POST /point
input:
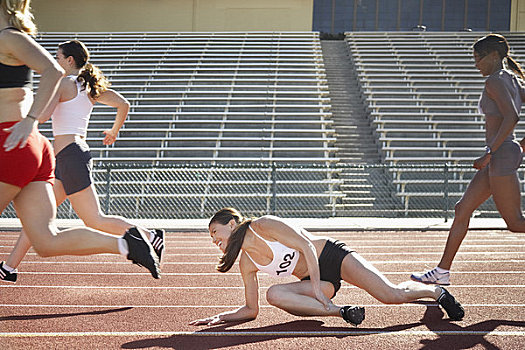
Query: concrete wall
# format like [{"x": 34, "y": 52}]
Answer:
[
  {"x": 172, "y": 15},
  {"x": 517, "y": 17}
]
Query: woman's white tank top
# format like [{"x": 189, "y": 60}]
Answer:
[
  {"x": 72, "y": 117},
  {"x": 284, "y": 258}
]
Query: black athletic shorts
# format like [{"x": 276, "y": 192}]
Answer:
[
  {"x": 330, "y": 262},
  {"x": 73, "y": 167}
]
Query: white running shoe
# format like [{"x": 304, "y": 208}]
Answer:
[{"x": 432, "y": 277}]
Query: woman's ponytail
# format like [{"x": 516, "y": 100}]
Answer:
[
  {"x": 90, "y": 76},
  {"x": 515, "y": 67},
  {"x": 93, "y": 80},
  {"x": 234, "y": 246}
]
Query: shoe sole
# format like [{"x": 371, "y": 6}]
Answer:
[
  {"x": 425, "y": 282},
  {"x": 8, "y": 281},
  {"x": 456, "y": 305},
  {"x": 357, "y": 312}
]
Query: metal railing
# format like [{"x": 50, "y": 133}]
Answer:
[{"x": 288, "y": 190}]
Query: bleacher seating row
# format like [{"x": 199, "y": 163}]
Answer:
[
  {"x": 211, "y": 97},
  {"x": 208, "y": 99}
]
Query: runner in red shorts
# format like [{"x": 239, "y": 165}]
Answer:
[
  {"x": 26, "y": 158},
  {"x": 83, "y": 86}
]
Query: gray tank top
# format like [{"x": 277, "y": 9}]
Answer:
[{"x": 488, "y": 106}]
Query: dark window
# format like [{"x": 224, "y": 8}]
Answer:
[{"x": 338, "y": 16}]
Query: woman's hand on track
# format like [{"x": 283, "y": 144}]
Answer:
[{"x": 209, "y": 321}]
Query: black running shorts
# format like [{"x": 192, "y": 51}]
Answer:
[
  {"x": 73, "y": 167},
  {"x": 330, "y": 262}
]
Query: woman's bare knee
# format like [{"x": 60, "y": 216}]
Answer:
[
  {"x": 273, "y": 295},
  {"x": 43, "y": 241},
  {"x": 44, "y": 249},
  {"x": 459, "y": 209},
  {"x": 516, "y": 224}
]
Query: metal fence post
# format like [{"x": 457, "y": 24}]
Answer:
[
  {"x": 445, "y": 192},
  {"x": 274, "y": 188},
  {"x": 108, "y": 189}
]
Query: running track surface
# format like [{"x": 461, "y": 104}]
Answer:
[{"x": 105, "y": 302}]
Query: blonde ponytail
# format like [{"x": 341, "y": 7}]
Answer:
[{"x": 19, "y": 15}]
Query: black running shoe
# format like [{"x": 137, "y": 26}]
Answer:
[
  {"x": 141, "y": 252},
  {"x": 158, "y": 243},
  {"x": 6, "y": 275},
  {"x": 453, "y": 308},
  {"x": 353, "y": 314}
]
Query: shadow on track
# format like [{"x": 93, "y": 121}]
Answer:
[
  {"x": 223, "y": 336},
  {"x": 57, "y": 315}
]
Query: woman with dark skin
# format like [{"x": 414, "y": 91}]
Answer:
[
  {"x": 271, "y": 245},
  {"x": 497, "y": 175}
]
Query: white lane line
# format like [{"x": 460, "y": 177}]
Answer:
[
  {"x": 80, "y": 306},
  {"x": 218, "y": 287},
  {"x": 354, "y": 246},
  {"x": 233, "y": 273},
  {"x": 264, "y": 333},
  {"x": 440, "y": 252},
  {"x": 348, "y": 238},
  {"x": 93, "y": 262}
]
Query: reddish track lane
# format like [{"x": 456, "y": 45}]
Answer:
[{"x": 105, "y": 302}]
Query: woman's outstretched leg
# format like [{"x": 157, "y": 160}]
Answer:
[
  {"x": 37, "y": 217},
  {"x": 507, "y": 197},
  {"x": 359, "y": 272},
  {"x": 7, "y": 193},
  {"x": 478, "y": 191}
]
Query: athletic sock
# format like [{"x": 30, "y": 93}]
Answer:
[
  {"x": 8, "y": 268},
  {"x": 441, "y": 294},
  {"x": 440, "y": 270},
  {"x": 151, "y": 235},
  {"x": 123, "y": 246}
]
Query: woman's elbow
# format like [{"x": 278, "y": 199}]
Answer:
[
  {"x": 124, "y": 106},
  {"x": 58, "y": 72}
]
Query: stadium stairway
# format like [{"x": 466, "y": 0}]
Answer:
[
  {"x": 365, "y": 189},
  {"x": 355, "y": 138}
]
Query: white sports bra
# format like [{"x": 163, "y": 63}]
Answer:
[
  {"x": 284, "y": 259},
  {"x": 72, "y": 117}
]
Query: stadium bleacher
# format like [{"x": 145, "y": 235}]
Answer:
[
  {"x": 211, "y": 99},
  {"x": 208, "y": 97}
]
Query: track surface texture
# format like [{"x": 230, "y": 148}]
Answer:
[{"x": 105, "y": 302}]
